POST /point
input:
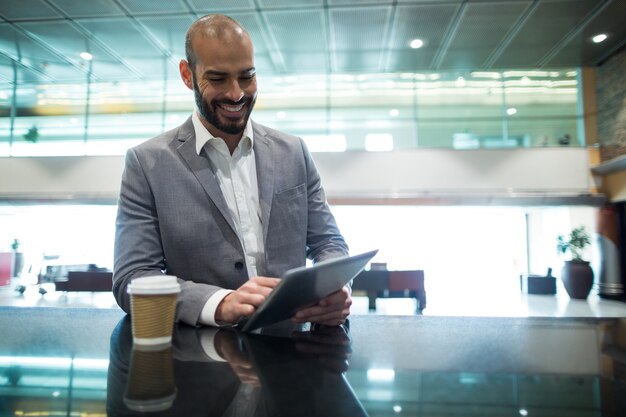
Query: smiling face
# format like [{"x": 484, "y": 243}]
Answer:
[{"x": 223, "y": 80}]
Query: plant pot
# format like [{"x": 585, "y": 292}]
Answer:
[{"x": 577, "y": 277}]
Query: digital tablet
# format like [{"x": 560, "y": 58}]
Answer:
[{"x": 305, "y": 286}]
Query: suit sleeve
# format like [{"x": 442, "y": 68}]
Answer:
[
  {"x": 324, "y": 240},
  {"x": 138, "y": 250}
]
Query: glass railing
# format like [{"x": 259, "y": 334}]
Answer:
[{"x": 336, "y": 112}]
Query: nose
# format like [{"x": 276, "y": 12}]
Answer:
[{"x": 234, "y": 92}]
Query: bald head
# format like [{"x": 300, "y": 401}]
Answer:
[{"x": 217, "y": 26}]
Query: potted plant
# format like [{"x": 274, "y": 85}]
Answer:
[{"x": 577, "y": 275}]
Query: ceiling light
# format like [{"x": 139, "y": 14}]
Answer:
[
  {"x": 525, "y": 80},
  {"x": 511, "y": 111},
  {"x": 281, "y": 114},
  {"x": 397, "y": 408},
  {"x": 86, "y": 56},
  {"x": 394, "y": 112},
  {"x": 599, "y": 38},
  {"x": 460, "y": 82},
  {"x": 416, "y": 43}
]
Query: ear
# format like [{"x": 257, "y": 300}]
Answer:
[{"x": 185, "y": 73}]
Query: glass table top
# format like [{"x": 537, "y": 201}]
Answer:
[{"x": 83, "y": 362}]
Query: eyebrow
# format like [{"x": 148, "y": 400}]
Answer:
[{"x": 222, "y": 73}]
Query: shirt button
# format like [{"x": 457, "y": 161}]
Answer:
[{"x": 238, "y": 265}]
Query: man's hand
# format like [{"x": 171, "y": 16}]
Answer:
[
  {"x": 228, "y": 348},
  {"x": 330, "y": 311},
  {"x": 245, "y": 300},
  {"x": 331, "y": 346}
]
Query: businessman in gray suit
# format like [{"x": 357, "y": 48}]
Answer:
[{"x": 221, "y": 202}]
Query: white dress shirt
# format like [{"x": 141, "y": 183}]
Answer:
[{"x": 236, "y": 175}]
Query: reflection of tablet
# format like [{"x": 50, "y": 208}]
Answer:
[
  {"x": 296, "y": 383},
  {"x": 305, "y": 286}
]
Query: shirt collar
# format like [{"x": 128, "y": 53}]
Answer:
[{"x": 203, "y": 135}]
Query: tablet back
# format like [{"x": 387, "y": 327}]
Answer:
[{"x": 305, "y": 286}]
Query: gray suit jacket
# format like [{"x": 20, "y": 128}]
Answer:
[{"x": 173, "y": 218}]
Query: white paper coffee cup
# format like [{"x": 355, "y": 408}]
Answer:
[{"x": 153, "y": 307}]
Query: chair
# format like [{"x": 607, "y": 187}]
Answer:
[
  {"x": 391, "y": 284},
  {"x": 408, "y": 284},
  {"x": 89, "y": 281}
]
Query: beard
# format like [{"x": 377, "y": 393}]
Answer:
[{"x": 210, "y": 113}]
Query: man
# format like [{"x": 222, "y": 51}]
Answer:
[{"x": 221, "y": 202}]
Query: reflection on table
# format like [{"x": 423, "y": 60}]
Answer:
[
  {"x": 209, "y": 372},
  {"x": 82, "y": 361}
]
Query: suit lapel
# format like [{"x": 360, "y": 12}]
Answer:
[
  {"x": 264, "y": 158},
  {"x": 201, "y": 168}
]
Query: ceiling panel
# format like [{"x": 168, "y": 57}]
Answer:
[
  {"x": 435, "y": 1},
  {"x": 35, "y": 57},
  {"x": 298, "y": 31},
  {"x": 89, "y": 8},
  {"x": 251, "y": 22},
  {"x": 472, "y": 44},
  {"x": 428, "y": 23},
  {"x": 300, "y": 39},
  {"x": 60, "y": 71},
  {"x": 357, "y": 3},
  {"x": 121, "y": 36},
  {"x": 26, "y": 9},
  {"x": 307, "y": 62},
  {"x": 263, "y": 64},
  {"x": 582, "y": 49},
  {"x": 6, "y": 71},
  {"x": 111, "y": 70},
  {"x": 549, "y": 23},
  {"x": 125, "y": 42},
  {"x": 8, "y": 39},
  {"x": 290, "y": 3},
  {"x": 27, "y": 77},
  {"x": 303, "y": 36},
  {"x": 58, "y": 36},
  {"x": 169, "y": 31},
  {"x": 210, "y": 6},
  {"x": 357, "y": 61},
  {"x": 410, "y": 61},
  {"x": 69, "y": 42},
  {"x": 152, "y": 6},
  {"x": 359, "y": 29}
]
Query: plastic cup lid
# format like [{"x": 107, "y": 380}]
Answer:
[{"x": 158, "y": 284}]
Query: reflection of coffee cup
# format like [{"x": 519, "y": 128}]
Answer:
[
  {"x": 151, "y": 379},
  {"x": 153, "y": 306}
]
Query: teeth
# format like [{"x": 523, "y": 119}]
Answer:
[{"x": 231, "y": 108}]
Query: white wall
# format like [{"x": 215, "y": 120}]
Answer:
[
  {"x": 347, "y": 174},
  {"x": 550, "y": 170}
]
